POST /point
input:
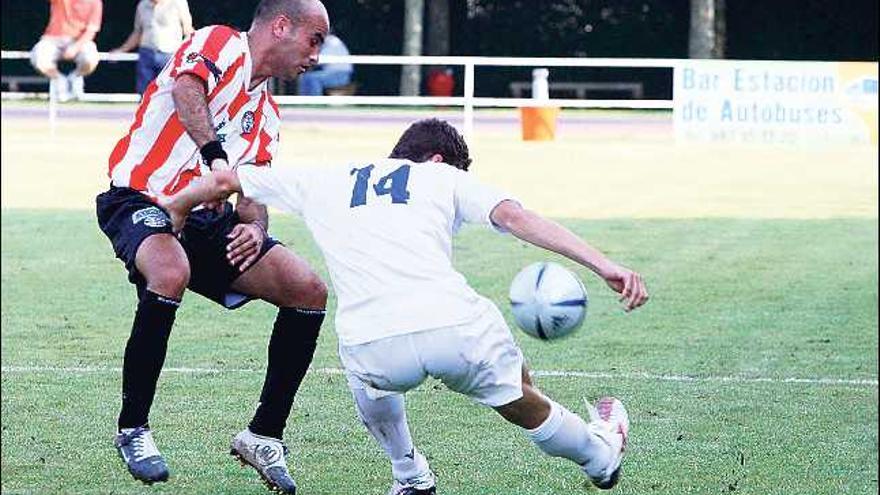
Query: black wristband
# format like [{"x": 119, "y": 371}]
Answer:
[{"x": 212, "y": 151}]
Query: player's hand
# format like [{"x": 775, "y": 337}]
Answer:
[
  {"x": 629, "y": 285},
  {"x": 246, "y": 240},
  {"x": 70, "y": 52}
]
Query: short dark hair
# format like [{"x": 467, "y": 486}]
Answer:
[
  {"x": 428, "y": 137},
  {"x": 268, "y": 9}
]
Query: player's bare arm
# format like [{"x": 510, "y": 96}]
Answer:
[
  {"x": 130, "y": 43},
  {"x": 535, "y": 229},
  {"x": 216, "y": 186},
  {"x": 191, "y": 102}
]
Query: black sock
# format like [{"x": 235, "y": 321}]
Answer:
[
  {"x": 293, "y": 342},
  {"x": 144, "y": 356}
]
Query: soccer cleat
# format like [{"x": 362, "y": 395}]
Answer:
[
  {"x": 138, "y": 450},
  {"x": 610, "y": 422},
  {"x": 268, "y": 456},
  {"x": 425, "y": 484},
  {"x": 77, "y": 85}
]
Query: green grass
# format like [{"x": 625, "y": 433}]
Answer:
[{"x": 730, "y": 298}]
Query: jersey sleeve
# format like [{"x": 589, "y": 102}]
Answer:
[
  {"x": 474, "y": 201},
  {"x": 208, "y": 54},
  {"x": 282, "y": 188}
]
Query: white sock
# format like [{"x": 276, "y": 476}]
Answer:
[
  {"x": 385, "y": 418},
  {"x": 565, "y": 434}
]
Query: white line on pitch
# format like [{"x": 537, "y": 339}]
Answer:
[{"x": 859, "y": 382}]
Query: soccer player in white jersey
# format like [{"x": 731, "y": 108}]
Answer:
[
  {"x": 385, "y": 228},
  {"x": 210, "y": 108}
]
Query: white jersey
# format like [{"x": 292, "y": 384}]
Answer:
[{"x": 385, "y": 229}]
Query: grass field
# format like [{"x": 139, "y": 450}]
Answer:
[{"x": 752, "y": 370}]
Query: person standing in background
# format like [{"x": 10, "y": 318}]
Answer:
[
  {"x": 327, "y": 76},
  {"x": 70, "y": 35},
  {"x": 159, "y": 28}
]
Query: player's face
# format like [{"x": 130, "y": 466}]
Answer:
[{"x": 300, "y": 48}]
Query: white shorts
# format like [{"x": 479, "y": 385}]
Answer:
[
  {"x": 479, "y": 359},
  {"x": 49, "y": 50}
]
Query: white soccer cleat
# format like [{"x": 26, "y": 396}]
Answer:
[
  {"x": 610, "y": 422},
  {"x": 425, "y": 484},
  {"x": 268, "y": 456}
]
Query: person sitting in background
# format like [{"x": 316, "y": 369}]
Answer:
[
  {"x": 69, "y": 36},
  {"x": 327, "y": 76},
  {"x": 159, "y": 27}
]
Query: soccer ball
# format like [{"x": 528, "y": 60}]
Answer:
[{"x": 548, "y": 301}]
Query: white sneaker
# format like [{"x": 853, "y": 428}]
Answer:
[
  {"x": 59, "y": 89},
  {"x": 425, "y": 484},
  {"x": 268, "y": 456},
  {"x": 610, "y": 422},
  {"x": 77, "y": 85}
]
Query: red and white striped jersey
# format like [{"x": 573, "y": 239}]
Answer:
[{"x": 158, "y": 157}]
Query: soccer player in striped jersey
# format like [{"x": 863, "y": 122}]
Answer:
[
  {"x": 210, "y": 109},
  {"x": 404, "y": 313}
]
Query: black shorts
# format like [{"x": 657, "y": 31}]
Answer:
[{"x": 127, "y": 217}]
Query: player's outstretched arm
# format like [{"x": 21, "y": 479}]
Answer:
[
  {"x": 535, "y": 229},
  {"x": 216, "y": 186}
]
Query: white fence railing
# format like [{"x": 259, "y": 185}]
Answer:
[{"x": 467, "y": 101}]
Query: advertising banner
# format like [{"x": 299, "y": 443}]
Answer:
[{"x": 775, "y": 101}]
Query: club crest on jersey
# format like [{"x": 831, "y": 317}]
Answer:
[
  {"x": 247, "y": 122},
  {"x": 152, "y": 217}
]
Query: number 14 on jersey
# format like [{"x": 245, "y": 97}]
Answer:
[{"x": 394, "y": 184}]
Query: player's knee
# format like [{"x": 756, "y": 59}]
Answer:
[
  {"x": 309, "y": 292},
  {"x": 87, "y": 66},
  {"x": 318, "y": 290},
  {"x": 44, "y": 63},
  {"x": 170, "y": 279},
  {"x": 87, "y": 60}
]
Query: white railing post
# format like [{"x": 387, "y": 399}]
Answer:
[
  {"x": 53, "y": 104},
  {"x": 469, "y": 99}
]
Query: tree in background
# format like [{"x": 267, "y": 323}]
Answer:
[
  {"x": 411, "y": 75},
  {"x": 708, "y": 29},
  {"x": 438, "y": 27}
]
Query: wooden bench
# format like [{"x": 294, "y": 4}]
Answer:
[
  {"x": 580, "y": 89},
  {"x": 14, "y": 83}
]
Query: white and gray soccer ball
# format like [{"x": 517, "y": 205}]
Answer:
[{"x": 548, "y": 300}]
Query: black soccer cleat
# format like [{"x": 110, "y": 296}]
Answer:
[
  {"x": 268, "y": 456},
  {"x": 139, "y": 452}
]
